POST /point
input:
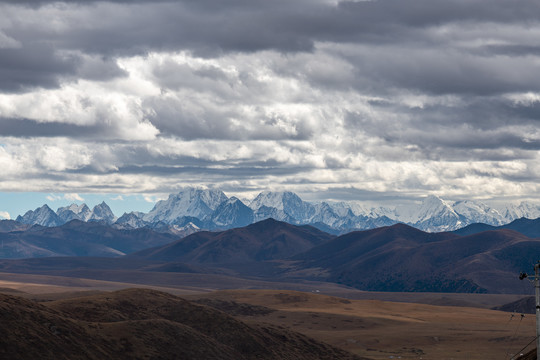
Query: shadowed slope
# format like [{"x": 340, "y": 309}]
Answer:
[
  {"x": 527, "y": 227},
  {"x": 401, "y": 258},
  {"x": 266, "y": 240},
  {"x": 143, "y": 324},
  {"x": 78, "y": 238}
]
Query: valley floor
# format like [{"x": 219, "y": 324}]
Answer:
[
  {"x": 384, "y": 330},
  {"x": 371, "y": 328}
]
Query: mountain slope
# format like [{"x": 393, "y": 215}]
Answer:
[
  {"x": 12, "y": 225},
  {"x": 188, "y": 202},
  {"x": 287, "y": 204},
  {"x": 266, "y": 240},
  {"x": 213, "y": 210},
  {"x": 43, "y": 216},
  {"x": 74, "y": 212},
  {"x": 231, "y": 213},
  {"x": 78, "y": 238},
  {"x": 143, "y": 324},
  {"x": 527, "y": 227},
  {"x": 401, "y": 258}
]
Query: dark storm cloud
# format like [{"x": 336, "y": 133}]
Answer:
[
  {"x": 510, "y": 50},
  {"x": 232, "y": 172},
  {"x": 31, "y": 128},
  {"x": 33, "y": 65},
  {"x": 478, "y": 129},
  {"x": 346, "y": 193},
  {"x": 255, "y": 91},
  {"x": 40, "y": 65},
  {"x": 210, "y": 28},
  {"x": 141, "y": 26},
  {"x": 103, "y": 131}
]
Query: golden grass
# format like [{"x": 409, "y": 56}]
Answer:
[{"x": 382, "y": 330}]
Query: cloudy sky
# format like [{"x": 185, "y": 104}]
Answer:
[{"x": 381, "y": 101}]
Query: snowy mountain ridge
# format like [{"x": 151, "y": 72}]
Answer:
[{"x": 193, "y": 209}]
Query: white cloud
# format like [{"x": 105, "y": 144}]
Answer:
[
  {"x": 53, "y": 197},
  {"x": 446, "y": 106},
  {"x": 5, "y": 215},
  {"x": 73, "y": 197}
]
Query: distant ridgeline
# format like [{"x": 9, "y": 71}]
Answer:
[
  {"x": 194, "y": 209},
  {"x": 391, "y": 258}
]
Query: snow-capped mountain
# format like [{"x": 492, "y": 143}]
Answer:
[
  {"x": 288, "y": 205},
  {"x": 434, "y": 214},
  {"x": 132, "y": 220},
  {"x": 524, "y": 209},
  {"x": 478, "y": 212},
  {"x": 189, "y": 202},
  {"x": 74, "y": 212},
  {"x": 101, "y": 212},
  {"x": 43, "y": 216},
  {"x": 232, "y": 213},
  {"x": 194, "y": 209}
]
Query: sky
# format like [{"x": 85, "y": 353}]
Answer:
[{"x": 383, "y": 101}]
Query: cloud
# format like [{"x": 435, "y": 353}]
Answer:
[
  {"x": 73, "y": 197},
  {"x": 372, "y": 97},
  {"x": 117, "y": 198}
]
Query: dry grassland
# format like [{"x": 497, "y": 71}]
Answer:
[
  {"x": 370, "y": 328},
  {"x": 385, "y": 330}
]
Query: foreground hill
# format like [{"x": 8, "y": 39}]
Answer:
[
  {"x": 142, "y": 324},
  {"x": 401, "y": 258},
  {"x": 266, "y": 240}
]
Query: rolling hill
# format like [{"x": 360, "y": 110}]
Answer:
[
  {"x": 143, "y": 324},
  {"x": 527, "y": 227},
  {"x": 266, "y": 240},
  {"x": 78, "y": 238},
  {"x": 401, "y": 258},
  {"x": 394, "y": 258}
]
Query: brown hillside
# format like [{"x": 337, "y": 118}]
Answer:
[
  {"x": 143, "y": 324},
  {"x": 386, "y": 330},
  {"x": 266, "y": 240}
]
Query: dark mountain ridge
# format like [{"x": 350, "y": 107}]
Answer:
[
  {"x": 393, "y": 258},
  {"x": 401, "y": 258},
  {"x": 266, "y": 240},
  {"x": 527, "y": 227},
  {"x": 78, "y": 238}
]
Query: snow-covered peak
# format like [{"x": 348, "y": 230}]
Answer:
[
  {"x": 133, "y": 219},
  {"x": 102, "y": 212},
  {"x": 192, "y": 202},
  {"x": 523, "y": 210},
  {"x": 478, "y": 212},
  {"x": 342, "y": 208},
  {"x": 43, "y": 216},
  {"x": 74, "y": 212},
  {"x": 273, "y": 199},
  {"x": 432, "y": 206},
  {"x": 287, "y": 203},
  {"x": 77, "y": 209},
  {"x": 232, "y": 213}
]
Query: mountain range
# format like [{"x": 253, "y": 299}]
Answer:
[
  {"x": 193, "y": 210},
  {"x": 391, "y": 258}
]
